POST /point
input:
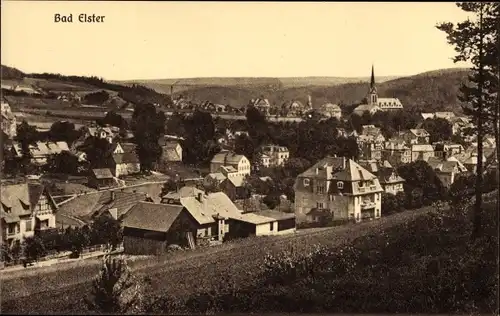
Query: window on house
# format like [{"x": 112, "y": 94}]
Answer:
[
  {"x": 306, "y": 182},
  {"x": 340, "y": 185},
  {"x": 272, "y": 225},
  {"x": 29, "y": 224},
  {"x": 320, "y": 205},
  {"x": 320, "y": 189}
]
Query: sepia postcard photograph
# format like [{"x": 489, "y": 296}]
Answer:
[{"x": 258, "y": 157}]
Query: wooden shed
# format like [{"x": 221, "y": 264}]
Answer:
[{"x": 149, "y": 228}]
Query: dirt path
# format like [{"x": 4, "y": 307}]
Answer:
[{"x": 238, "y": 263}]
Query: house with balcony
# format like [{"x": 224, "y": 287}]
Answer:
[
  {"x": 387, "y": 175},
  {"x": 228, "y": 158},
  {"x": 27, "y": 209},
  {"x": 337, "y": 189},
  {"x": 278, "y": 155}
]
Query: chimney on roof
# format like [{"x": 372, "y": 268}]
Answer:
[
  {"x": 317, "y": 170},
  {"x": 200, "y": 197}
]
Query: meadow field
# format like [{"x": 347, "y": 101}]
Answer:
[{"x": 181, "y": 274}]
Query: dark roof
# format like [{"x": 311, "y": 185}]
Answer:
[
  {"x": 123, "y": 201},
  {"x": 21, "y": 198},
  {"x": 85, "y": 206},
  {"x": 103, "y": 173},
  {"x": 151, "y": 216}
]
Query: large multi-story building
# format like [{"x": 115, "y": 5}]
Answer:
[{"x": 337, "y": 188}]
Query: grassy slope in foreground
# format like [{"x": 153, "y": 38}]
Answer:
[{"x": 180, "y": 274}]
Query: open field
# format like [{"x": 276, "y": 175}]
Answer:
[{"x": 59, "y": 290}]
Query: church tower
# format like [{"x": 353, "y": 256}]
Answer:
[{"x": 372, "y": 94}]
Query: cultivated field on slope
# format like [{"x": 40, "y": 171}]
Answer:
[{"x": 238, "y": 263}]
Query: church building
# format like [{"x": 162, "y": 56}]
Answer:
[{"x": 374, "y": 103}]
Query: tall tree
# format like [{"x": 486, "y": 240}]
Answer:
[
  {"x": 148, "y": 126},
  {"x": 477, "y": 41},
  {"x": 26, "y": 135},
  {"x": 439, "y": 129},
  {"x": 200, "y": 142},
  {"x": 257, "y": 125}
]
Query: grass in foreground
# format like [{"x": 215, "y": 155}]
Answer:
[
  {"x": 235, "y": 264},
  {"x": 428, "y": 265}
]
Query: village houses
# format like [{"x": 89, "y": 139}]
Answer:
[
  {"x": 40, "y": 151},
  {"x": 171, "y": 150},
  {"x": 85, "y": 208},
  {"x": 446, "y": 170},
  {"x": 337, "y": 188},
  {"x": 123, "y": 160},
  {"x": 396, "y": 152},
  {"x": 27, "y": 209},
  {"x": 261, "y": 104},
  {"x": 229, "y": 158},
  {"x": 416, "y": 136},
  {"x": 330, "y": 110},
  {"x": 293, "y": 108},
  {"x": 277, "y": 155},
  {"x": 192, "y": 218},
  {"x": 388, "y": 176},
  {"x": 99, "y": 132},
  {"x": 101, "y": 178},
  {"x": 421, "y": 152}
]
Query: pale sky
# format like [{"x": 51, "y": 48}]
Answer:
[{"x": 157, "y": 40}]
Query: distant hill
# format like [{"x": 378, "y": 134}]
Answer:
[
  {"x": 430, "y": 91},
  {"x": 55, "y": 84},
  {"x": 179, "y": 85},
  {"x": 11, "y": 73}
]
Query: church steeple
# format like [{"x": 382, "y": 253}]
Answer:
[
  {"x": 372, "y": 82},
  {"x": 372, "y": 94}
]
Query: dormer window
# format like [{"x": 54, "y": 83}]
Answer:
[
  {"x": 340, "y": 185},
  {"x": 306, "y": 182}
]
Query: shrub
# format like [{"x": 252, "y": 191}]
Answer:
[
  {"x": 34, "y": 248},
  {"x": 114, "y": 290}
]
